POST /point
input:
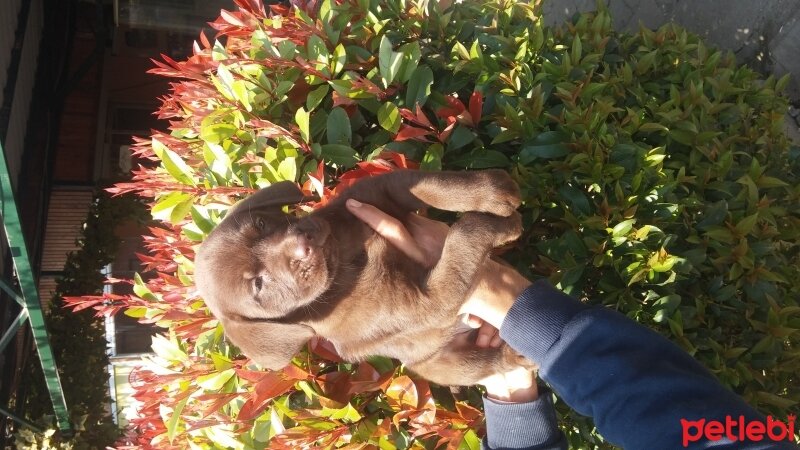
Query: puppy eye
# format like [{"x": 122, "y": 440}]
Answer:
[{"x": 258, "y": 283}]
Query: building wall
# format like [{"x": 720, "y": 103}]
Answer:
[{"x": 23, "y": 82}]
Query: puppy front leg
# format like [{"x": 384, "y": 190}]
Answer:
[{"x": 462, "y": 363}]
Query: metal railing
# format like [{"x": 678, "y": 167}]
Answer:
[{"x": 28, "y": 298}]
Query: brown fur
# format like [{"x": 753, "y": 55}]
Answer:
[{"x": 274, "y": 280}]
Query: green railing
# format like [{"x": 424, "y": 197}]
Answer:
[{"x": 28, "y": 298}]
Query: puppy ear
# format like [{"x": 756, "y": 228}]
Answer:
[
  {"x": 271, "y": 344},
  {"x": 276, "y": 195}
]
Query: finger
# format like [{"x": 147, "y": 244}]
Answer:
[
  {"x": 485, "y": 335},
  {"x": 497, "y": 341},
  {"x": 387, "y": 226},
  {"x": 473, "y": 321},
  {"x": 428, "y": 226},
  {"x": 429, "y": 235}
]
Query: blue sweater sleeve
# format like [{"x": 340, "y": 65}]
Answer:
[
  {"x": 634, "y": 383},
  {"x": 531, "y": 425}
]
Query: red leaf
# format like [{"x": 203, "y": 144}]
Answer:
[
  {"x": 454, "y": 108},
  {"x": 475, "y": 107},
  {"x": 467, "y": 411},
  {"x": 408, "y": 132},
  {"x": 81, "y": 303},
  {"x": 402, "y": 393},
  {"x": 336, "y": 387},
  {"x": 418, "y": 118},
  {"x": 451, "y": 123},
  {"x": 325, "y": 349},
  {"x": 204, "y": 40},
  {"x": 253, "y": 6},
  {"x": 269, "y": 387},
  {"x": 222, "y": 400}
]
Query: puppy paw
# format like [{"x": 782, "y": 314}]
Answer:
[
  {"x": 510, "y": 230},
  {"x": 499, "y": 194},
  {"x": 510, "y": 359}
]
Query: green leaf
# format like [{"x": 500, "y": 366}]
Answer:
[
  {"x": 164, "y": 207},
  {"x": 302, "y": 118},
  {"x": 225, "y": 77},
  {"x": 168, "y": 348},
  {"x": 781, "y": 84},
  {"x": 460, "y": 137},
  {"x": 389, "y": 61},
  {"x": 180, "y": 211},
  {"x": 193, "y": 232},
  {"x": 481, "y": 159},
  {"x": 172, "y": 423},
  {"x": 666, "y": 307},
  {"x": 389, "y": 117},
  {"x": 410, "y": 59},
  {"x": 218, "y": 161},
  {"x": 651, "y": 126},
  {"x": 432, "y": 161},
  {"x": 772, "y": 399},
  {"x": 623, "y": 228},
  {"x": 338, "y": 127},
  {"x": 770, "y": 182},
  {"x": 216, "y": 133},
  {"x": 215, "y": 380},
  {"x": 684, "y": 137},
  {"x": 341, "y": 155},
  {"x": 577, "y": 49},
  {"x": 242, "y": 94},
  {"x": 141, "y": 290},
  {"x": 530, "y": 153},
  {"x": 339, "y": 58},
  {"x": 173, "y": 163},
  {"x": 576, "y": 199},
  {"x": 316, "y": 96},
  {"x": 419, "y": 87},
  {"x": 348, "y": 414},
  {"x": 746, "y": 225},
  {"x": 136, "y": 312},
  {"x": 287, "y": 169},
  {"x": 316, "y": 49}
]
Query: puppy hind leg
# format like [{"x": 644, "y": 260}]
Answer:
[
  {"x": 465, "y": 251},
  {"x": 489, "y": 191},
  {"x": 403, "y": 191}
]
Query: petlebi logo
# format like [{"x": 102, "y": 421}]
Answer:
[{"x": 739, "y": 429}]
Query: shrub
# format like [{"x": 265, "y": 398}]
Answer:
[{"x": 656, "y": 180}]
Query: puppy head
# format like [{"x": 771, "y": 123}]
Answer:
[{"x": 259, "y": 266}]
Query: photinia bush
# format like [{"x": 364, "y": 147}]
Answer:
[{"x": 655, "y": 174}]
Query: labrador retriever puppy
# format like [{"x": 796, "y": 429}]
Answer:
[{"x": 275, "y": 280}]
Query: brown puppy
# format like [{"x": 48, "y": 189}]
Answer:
[{"x": 275, "y": 280}]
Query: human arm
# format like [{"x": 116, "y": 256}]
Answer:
[{"x": 634, "y": 383}]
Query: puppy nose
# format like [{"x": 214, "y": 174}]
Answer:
[{"x": 302, "y": 247}]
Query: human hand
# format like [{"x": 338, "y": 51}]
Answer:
[
  {"x": 516, "y": 386},
  {"x": 421, "y": 239}
]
